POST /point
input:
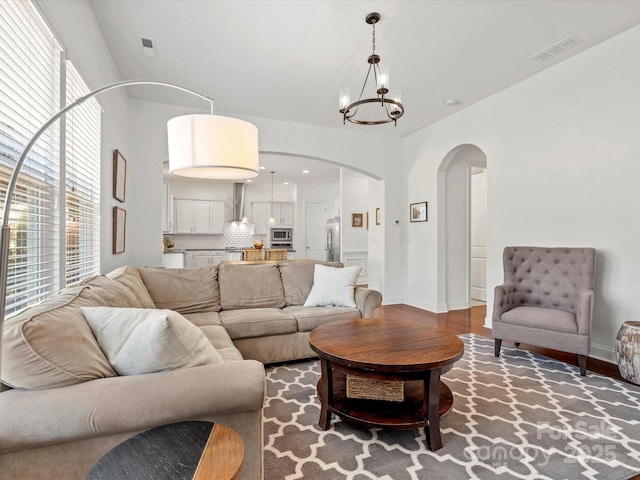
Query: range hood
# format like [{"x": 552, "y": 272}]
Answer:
[{"x": 237, "y": 214}]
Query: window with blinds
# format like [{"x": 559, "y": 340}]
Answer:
[
  {"x": 82, "y": 155},
  {"x": 31, "y": 81}
]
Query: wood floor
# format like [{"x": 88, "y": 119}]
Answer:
[{"x": 472, "y": 320}]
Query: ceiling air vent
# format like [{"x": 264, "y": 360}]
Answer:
[
  {"x": 556, "y": 49},
  {"x": 147, "y": 47}
]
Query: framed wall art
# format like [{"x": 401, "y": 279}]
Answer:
[
  {"x": 119, "y": 175},
  {"x": 356, "y": 220},
  {"x": 119, "y": 229},
  {"x": 418, "y": 212}
]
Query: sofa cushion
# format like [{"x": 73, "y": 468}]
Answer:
[
  {"x": 130, "y": 278},
  {"x": 297, "y": 279},
  {"x": 250, "y": 286},
  {"x": 333, "y": 287},
  {"x": 183, "y": 290},
  {"x": 142, "y": 340},
  {"x": 103, "y": 291},
  {"x": 220, "y": 339},
  {"x": 311, "y": 317},
  {"x": 542, "y": 318},
  {"x": 202, "y": 319},
  {"x": 51, "y": 345},
  {"x": 257, "y": 322}
]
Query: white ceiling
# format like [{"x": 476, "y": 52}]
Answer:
[{"x": 287, "y": 59}]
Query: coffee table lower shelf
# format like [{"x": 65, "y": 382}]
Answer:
[{"x": 407, "y": 414}]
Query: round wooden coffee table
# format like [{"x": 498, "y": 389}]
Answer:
[
  {"x": 179, "y": 451},
  {"x": 398, "y": 361}
]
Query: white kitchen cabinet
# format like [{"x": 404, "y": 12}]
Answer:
[
  {"x": 201, "y": 217},
  {"x": 167, "y": 203},
  {"x": 234, "y": 255},
  {"x": 203, "y": 258},
  {"x": 198, "y": 216},
  {"x": 283, "y": 213},
  {"x": 173, "y": 260},
  {"x": 260, "y": 218},
  {"x": 291, "y": 255},
  {"x": 189, "y": 260}
]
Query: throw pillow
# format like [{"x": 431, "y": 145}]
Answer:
[
  {"x": 140, "y": 340},
  {"x": 333, "y": 287}
]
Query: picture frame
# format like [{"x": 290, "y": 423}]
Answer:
[
  {"x": 119, "y": 229},
  {"x": 356, "y": 220},
  {"x": 418, "y": 212},
  {"x": 378, "y": 216},
  {"x": 119, "y": 176}
]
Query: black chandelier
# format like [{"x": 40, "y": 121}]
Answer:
[{"x": 392, "y": 105}]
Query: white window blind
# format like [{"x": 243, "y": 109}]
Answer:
[
  {"x": 29, "y": 96},
  {"x": 48, "y": 248},
  {"x": 82, "y": 183}
]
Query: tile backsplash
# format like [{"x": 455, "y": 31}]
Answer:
[{"x": 236, "y": 235}]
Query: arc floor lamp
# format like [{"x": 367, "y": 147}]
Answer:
[{"x": 200, "y": 145}]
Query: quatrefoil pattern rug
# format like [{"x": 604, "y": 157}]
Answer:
[{"x": 520, "y": 416}]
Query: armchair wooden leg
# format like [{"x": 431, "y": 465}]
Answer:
[
  {"x": 498, "y": 344},
  {"x": 517, "y": 344},
  {"x": 582, "y": 362}
]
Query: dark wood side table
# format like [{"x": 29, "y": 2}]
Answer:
[
  {"x": 186, "y": 450},
  {"x": 387, "y": 350}
]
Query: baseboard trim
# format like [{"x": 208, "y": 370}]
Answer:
[{"x": 601, "y": 352}]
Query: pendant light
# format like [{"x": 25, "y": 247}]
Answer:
[
  {"x": 272, "y": 220},
  {"x": 392, "y": 103}
]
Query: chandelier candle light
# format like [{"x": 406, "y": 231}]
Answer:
[{"x": 392, "y": 105}]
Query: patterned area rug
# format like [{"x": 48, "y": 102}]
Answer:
[{"x": 520, "y": 416}]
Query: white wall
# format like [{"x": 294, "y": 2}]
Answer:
[
  {"x": 562, "y": 155},
  {"x": 355, "y": 199}
]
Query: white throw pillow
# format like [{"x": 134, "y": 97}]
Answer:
[
  {"x": 333, "y": 287},
  {"x": 141, "y": 340}
]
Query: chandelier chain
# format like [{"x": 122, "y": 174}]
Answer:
[{"x": 374, "y": 38}]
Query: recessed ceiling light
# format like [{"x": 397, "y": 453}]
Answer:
[
  {"x": 249, "y": 180},
  {"x": 262, "y": 168},
  {"x": 286, "y": 183},
  {"x": 305, "y": 171},
  {"x": 450, "y": 102}
]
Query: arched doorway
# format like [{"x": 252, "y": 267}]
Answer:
[{"x": 454, "y": 224}]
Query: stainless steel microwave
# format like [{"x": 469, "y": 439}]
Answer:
[{"x": 281, "y": 235}]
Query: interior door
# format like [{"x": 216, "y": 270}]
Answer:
[
  {"x": 478, "y": 277},
  {"x": 315, "y": 215}
]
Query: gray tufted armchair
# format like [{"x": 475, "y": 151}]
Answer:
[{"x": 546, "y": 299}]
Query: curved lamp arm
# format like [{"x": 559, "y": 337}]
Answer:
[{"x": 6, "y": 230}]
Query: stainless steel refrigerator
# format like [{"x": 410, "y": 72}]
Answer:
[{"x": 333, "y": 239}]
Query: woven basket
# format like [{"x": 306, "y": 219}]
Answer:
[
  {"x": 250, "y": 254},
  {"x": 276, "y": 254},
  {"x": 373, "y": 389}
]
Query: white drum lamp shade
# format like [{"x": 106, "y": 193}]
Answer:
[{"x": 212, "y": 146}]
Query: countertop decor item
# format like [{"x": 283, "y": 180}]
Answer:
[
  {"x": 167, "y": 243},
  {"x": 393, "y": 107}
]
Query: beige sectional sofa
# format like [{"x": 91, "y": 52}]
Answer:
[{"x": 66, "y": 405}]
